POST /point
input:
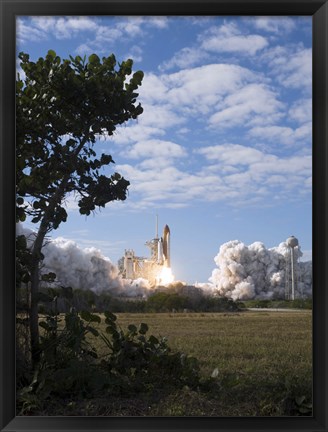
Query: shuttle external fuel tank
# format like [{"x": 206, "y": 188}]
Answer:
[
  {"x": 166, "y": 246},
  {"x": 128, "y": 264}
]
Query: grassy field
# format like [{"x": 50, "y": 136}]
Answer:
[{"x": 263, "y": 361}]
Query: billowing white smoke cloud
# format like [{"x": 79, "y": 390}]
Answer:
[
  {"x": 244, "y": 272},
  {"x": 84, "y": 268},
  {"x": 80, "y": 268},
  {"x": 254, "y": 272}
]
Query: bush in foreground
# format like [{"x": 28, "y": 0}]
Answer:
[{"x": 133, "y": 362}]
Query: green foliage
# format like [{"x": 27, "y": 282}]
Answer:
[
  {"x": 218, "y": 304},
  {"x": 157, "y": 302},
  {"x": 248, "y": 379},
  {"x": 60, "y": 345},
  {"x": 302, "y": 303},
  {"x": 142, "y": 362},
  {"x": 279, "y": 304},
  {"x": 23, "y": 261},
  {"x": 165, "y": 302},
  {"x": 67, "y": 362},
  {"x": 132, "y": 361},
  {"x": 63, "y": 106}
]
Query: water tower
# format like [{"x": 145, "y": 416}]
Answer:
[{"x": 292, "y": 271}]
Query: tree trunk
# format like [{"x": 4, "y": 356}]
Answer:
[
  {"x": 45, "y": 227},
  {"x": 35, "y": 282}
]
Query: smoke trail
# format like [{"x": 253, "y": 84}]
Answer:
[{"x": 254, "y": 272}]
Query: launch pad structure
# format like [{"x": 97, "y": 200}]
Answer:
[{"x": 135, "y": 267}]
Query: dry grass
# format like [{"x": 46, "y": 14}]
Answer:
[
  {"x": 264, "y": 360},
  {"x": 248, "y": 342},
  {"x": 264, "y": 363}
]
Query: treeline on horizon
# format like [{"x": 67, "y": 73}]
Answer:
[{"x": 63, "y": 299}]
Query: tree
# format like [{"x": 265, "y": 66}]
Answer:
[{"x": 63, "y": 108}]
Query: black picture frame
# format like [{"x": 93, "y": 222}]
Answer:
[{"x": 9, "y": 9}]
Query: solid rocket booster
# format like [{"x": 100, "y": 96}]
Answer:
[
  {"x": 166, "y": 246},
  {"x": 160, "y": 251}
]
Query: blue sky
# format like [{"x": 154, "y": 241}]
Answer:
[{"x": 223, "y": 149}]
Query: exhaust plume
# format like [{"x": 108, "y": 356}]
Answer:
[
  {"x": 242, "y": 273},
  {"x": 86, "y": 269},
  {"x": 254, "y": 272}
]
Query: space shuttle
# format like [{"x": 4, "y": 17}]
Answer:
[{"x": 163, "y": 248}]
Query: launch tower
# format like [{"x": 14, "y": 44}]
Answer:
[{"x": 133, "y": 267}]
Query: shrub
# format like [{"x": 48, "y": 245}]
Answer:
[
  {"x": 145, "y": 362},
  {"x": 133, "y": 362}
]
